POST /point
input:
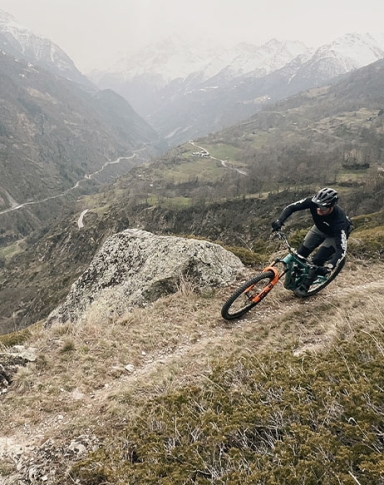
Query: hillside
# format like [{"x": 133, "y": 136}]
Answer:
[
  {"x": 98, "y": 396},
  {"x": 60, "y": 136},
  {"x": 325, "y": 136},
  {"x": 54, "y": 135},
  {"x": 329, "y": 136}
]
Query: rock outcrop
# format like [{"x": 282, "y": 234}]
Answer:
[
  {"x": 135, "y": 267},
  {"x": 10, "y": 362}
]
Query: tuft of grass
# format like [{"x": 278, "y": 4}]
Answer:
[
  {"x": 246, "y": 256},
  {"x": 68, "y": 346},
  {"x": 15, "y": 338}
]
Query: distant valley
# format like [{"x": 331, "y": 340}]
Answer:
[{"x": 53, "y": 132}]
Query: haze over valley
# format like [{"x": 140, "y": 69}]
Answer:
[{"x": 134, "y": 199}]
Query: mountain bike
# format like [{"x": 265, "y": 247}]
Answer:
[{"x": 293, "y": 267}]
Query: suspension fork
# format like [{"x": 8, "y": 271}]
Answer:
[{"x": 269, "y": 286}]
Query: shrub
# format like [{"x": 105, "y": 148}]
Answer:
[
  {"x": 15, "y": 338},
  {"x": 367, "y": 243},
  {"x": 247, "y": 256}
]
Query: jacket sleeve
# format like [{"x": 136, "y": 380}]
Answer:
[
  {"x": 300, "y": 205},
  {"x": 340, "y": 235}
]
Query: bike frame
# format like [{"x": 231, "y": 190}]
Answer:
[
  {"x": 296, "y": 269},
  {"x": 297, "y": 272}
]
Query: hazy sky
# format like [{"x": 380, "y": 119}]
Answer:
[{"x": 95, "y": 32}]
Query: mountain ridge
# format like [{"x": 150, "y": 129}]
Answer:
[
  {"x": 17, "y": 40},
  {"x": 52, "y": 134},
  {"x": 239, "y": 82}
]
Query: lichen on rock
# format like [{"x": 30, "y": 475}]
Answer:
[{"x": 135, "y": 267}]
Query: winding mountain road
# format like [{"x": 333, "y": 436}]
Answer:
[
  {"x": 223, "y": 162},
  {"x": 80, "y": 222},
  {"x": 15, "y": 206}
]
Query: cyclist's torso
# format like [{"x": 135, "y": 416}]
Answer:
[
  {"x": 335, "y": 224},
  {"x": 331, "y": 224}
]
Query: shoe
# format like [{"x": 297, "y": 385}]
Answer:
[
  {"x": 323, "y": 271},
  {"x": 303, "y": 289}
]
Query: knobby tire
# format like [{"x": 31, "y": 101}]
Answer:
[{"x": 240, "y": 302}]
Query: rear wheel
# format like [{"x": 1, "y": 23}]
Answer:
[
  {"x": 320, "y": 283},
  {"x": 248, "y": 296}
]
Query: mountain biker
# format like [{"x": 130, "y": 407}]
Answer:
[{"x": 329, "y": 233}]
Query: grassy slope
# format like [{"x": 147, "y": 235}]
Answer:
[{"x": 79, "y": 386}]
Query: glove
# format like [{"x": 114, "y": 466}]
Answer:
[{"x": 276, "y": 225}]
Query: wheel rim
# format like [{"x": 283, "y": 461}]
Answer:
[{"x": 247, "y": 298}]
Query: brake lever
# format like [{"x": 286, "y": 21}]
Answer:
[{"x": 276, "y": 235}]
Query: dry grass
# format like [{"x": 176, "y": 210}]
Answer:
[{"x": 93, "y": 374}]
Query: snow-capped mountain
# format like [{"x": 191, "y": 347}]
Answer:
[
  {"x": 174, "y": 59},
  {"x": 186, "y": 92},
  {"x": 167, "y": 60},
  {"x": 345, "y": 54},
  {"x": 172, "y": 68},
  {"x": 16, "y": 40},
  {"x": 353, "y": 51},
  {"x": 267, "y": 58}
]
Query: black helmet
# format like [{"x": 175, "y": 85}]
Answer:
[{"x": 325, "y": 197}]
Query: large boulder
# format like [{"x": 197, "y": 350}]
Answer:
[{"x": 135, "y": 267}]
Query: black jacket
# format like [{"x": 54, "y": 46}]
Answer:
[{"x": 336, "y": 224}]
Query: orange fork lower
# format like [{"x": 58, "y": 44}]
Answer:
[{"x": 269, "y": 287}]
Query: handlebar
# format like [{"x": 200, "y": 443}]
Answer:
[{"x": 282, "y": 236}]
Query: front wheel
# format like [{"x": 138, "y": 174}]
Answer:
[{"x": 248, "y": 295}]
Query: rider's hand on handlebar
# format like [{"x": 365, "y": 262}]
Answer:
[{"x": 276, "y": 225}]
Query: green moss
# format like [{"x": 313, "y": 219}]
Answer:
[
  {"x": 246, "y": 256},
  {"x": 15, "y": 338}
]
